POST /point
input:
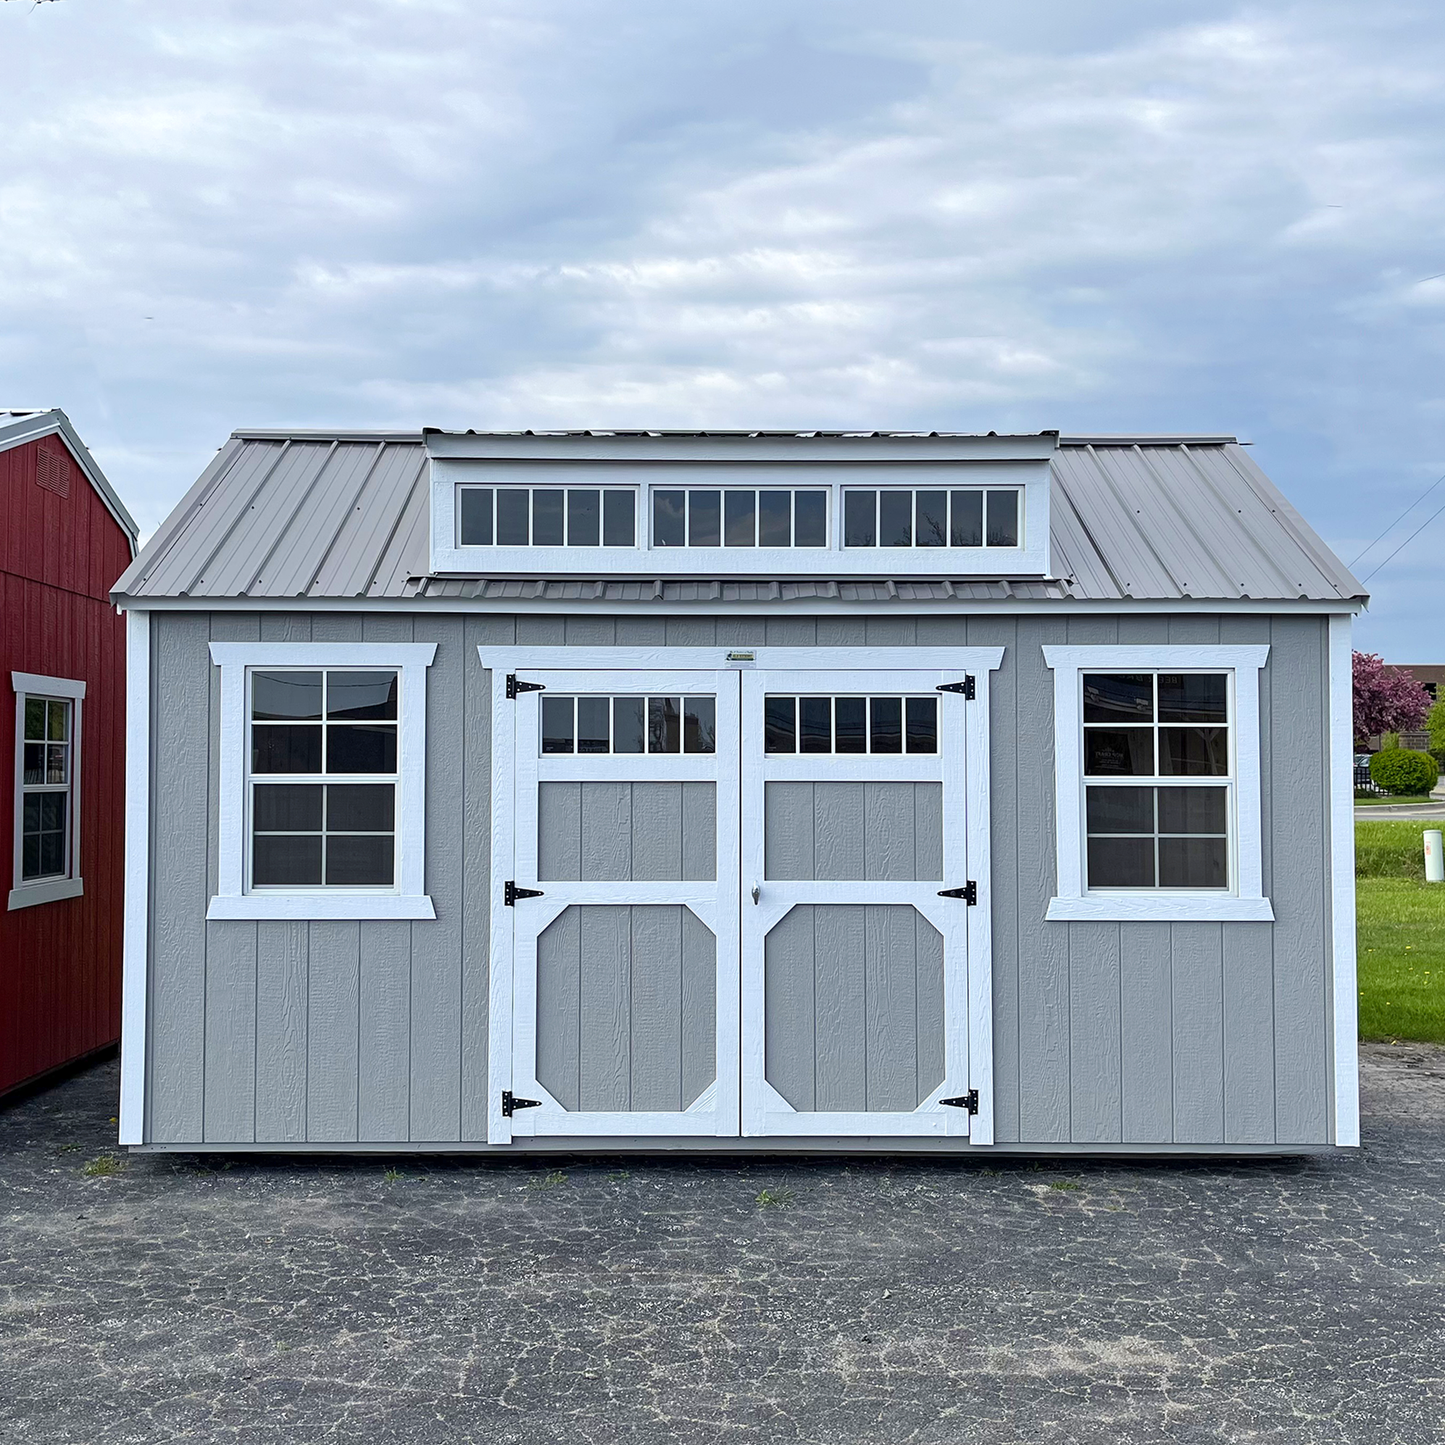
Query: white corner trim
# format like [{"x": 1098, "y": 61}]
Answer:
[
  {"x": 409, "y": 900},
  {"x": 52, "y": 686},
  {"x": 1247, "y": 901},
  {"x": 27, "y": 895},
  {"x": 1342, "y": 885},
  {"x": 136, "y": 928}
]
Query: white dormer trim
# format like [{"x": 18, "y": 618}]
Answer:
[{"x": 644, "y": 465}]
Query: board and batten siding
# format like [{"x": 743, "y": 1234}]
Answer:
[{"x": 1105, "y": 1034}]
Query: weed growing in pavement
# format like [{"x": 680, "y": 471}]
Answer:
[
  {"x": 618, "y": 1175},
  {"x": 547, "y": 1181},
  {"x": 102, "y": 1165},
  {"x": 1064, "y": 1184},
  {"x": 775, "y": 1198},
  {"x": 392, "y": 1176}
]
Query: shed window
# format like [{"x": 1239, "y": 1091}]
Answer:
[
  {"x": 629, "y": 724},
  {"x": 47, "y": 789},
  {"x": 322, "y": 780},
  {"x": 896, "y": 517},
  {"x": 546, "y": 517},
  {"x": 739, "y": 517},
  {"x": 850, "y": 724},
  {"x": 1158, "y": 782}
]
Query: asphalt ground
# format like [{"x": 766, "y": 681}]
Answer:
[{"x": 206, "y": 1298}]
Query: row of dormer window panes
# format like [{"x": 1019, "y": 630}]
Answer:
[{"x": 736, "y": 517}]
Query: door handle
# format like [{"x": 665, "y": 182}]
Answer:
[{"x": 757, "y": 894}]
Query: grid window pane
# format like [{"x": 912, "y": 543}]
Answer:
[
  {"x": 357, "y": 696},
  {"x": 1193, "y": 810},
  {"x": 593, "y": 717},
  {"x": 1118, "y": 697},
  {"x": 1199, "y": 697},
  {"x": 780, "y": 725},
  {"x": 619, "y": 519},
  {"x": 922, "y": 716},
  {"x": 1112, "y": 752},
  {"x": 360, "y": 862},
  {"x": 474, "y": 517},
  {"x": 815, "y": 724},
  {"x": 1119, "y": 810},
  {"x": 35, "y": 718},
  {"x": 664, "y": 726},
  {"x": 1193, "y": 752},
  {"x": 740, "y": 519},
  {"x": 52, "y": 811},
  {"x": 287, "y": 807},
  {"x": 1121, "y": 862},
  {"x": 57, "y": 758},
  {"x": 360, "y": 807},
  {"x": 699, "y": 725},
  {"x": 33, "y": 764},
  {"x": 59, "y": 722},
  {"x": 284, "y": 748},
  {"x": 513, "y": 505},
  {"x": 629, "y": 724},
  {"x": 860, "y": 519},
  {"x": 361, "y": 748},
  {"x": 584, "y": 518},
  {"x": 966, "y": 519},
  {"x": 885, "y": 725},
  {"x": 669, "y": 518},
  {"x": 30, "y": 857},
  {"x": 850, "y": 721},
  {"x": 775, "y": 519},
  {"x": 895, "y": 519},
  {"x": 810, "y": 519},
  {"x": 1003, "y": 519},
  {"x": 286, "y": 861},
  {"x": 548, "y": 523},
  {"x": 557, "y": 724},
  {"x": 704, "y": 519},
  {"x": 1193, "y": 862},
  {"x": 52, "y": 854},
  {"x": 286, "y": 696}
]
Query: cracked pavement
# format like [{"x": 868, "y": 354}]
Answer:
[{"x": 260, "y": 1299}]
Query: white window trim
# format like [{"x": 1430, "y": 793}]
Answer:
[
  {"x": 47, "y": 890},
  {"x": 409, "y": 899},
  {"x": 1246, "y": 901}
]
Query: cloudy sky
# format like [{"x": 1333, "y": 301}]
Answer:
[{"x": 1113, "y": 216}]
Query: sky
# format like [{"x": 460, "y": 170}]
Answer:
[{"x": 1114, "y": 217}]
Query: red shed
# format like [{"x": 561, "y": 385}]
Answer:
[{"x": 64, "y": 539}]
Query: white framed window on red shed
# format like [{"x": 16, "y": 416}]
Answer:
[
  {"x": 322, "y": 783},
  {"x": 47, "y": 789}
]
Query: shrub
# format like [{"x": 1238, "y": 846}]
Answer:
[
  {"x": 1402, "y": 771},
  {"x": 1435, "y": 726}
]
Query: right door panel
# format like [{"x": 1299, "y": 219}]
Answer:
[{"x": 854, "y": 968}]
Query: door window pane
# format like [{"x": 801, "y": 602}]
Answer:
[
  {"x": 780, "y": 725},
  {"x": 557, "y": 724},
  {"x": 664, "y": 729},
  {"x": 885, "y": 724},
  {"x": 699, "y": 725},
  {"x": 593, "y": 716},
  {"x": 815, "y": 724},
  {"x": 922, "y": 714}
]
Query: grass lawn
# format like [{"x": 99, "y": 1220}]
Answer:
[
  {"x": 1401, "y": 923},
  {"x": 1386, "y": 800}
]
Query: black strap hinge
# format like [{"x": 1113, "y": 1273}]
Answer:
[
  {"x": 511, "y": 893},
  {"x": 969, "y": 892},
  {"x": 967, "y": 1101},
  {"x": 511, "y": 1103},
  {"x": 516, "y": 685},
  {"x": 966, "y": 687}
]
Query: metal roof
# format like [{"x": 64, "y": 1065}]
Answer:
[
  {"x": 343, "y": 516},
  {"x": 19, "y": 425}
]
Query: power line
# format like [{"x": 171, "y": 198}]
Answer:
[
  {"x": 1397, "y": 522},
  {"x": 1411, "y": 537}
]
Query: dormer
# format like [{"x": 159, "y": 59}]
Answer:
[{"x": 730, "y": 504}]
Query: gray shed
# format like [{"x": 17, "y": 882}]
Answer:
[{"x": 738, "y": 791}]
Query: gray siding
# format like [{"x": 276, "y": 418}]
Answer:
[
  {"x": 610, "y": 832},
  {"x": 845, "y": 832},
  {"x": 626, "y": 1008},
  {"x": 1118, "y": 1033},
  {"x": 854, "y": 1008}
]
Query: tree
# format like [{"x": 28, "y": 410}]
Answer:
[{"x": 1386, "y": 699}]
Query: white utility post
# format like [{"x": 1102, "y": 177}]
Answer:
[{"x": 1434, "y": 856}]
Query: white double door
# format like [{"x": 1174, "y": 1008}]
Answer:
[{"x": 730, "y": 900}]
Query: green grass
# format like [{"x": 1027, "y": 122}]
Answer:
[
  {"x": 1377, "y": 800},
  {"x": 1401, "y": 930},
  {"x": 778, "y": 1198}
]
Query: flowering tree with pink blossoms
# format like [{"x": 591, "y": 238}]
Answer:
[{"x": 1386, "y": 700}]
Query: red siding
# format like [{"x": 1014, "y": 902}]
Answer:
[{"x": 60, "y": 962}]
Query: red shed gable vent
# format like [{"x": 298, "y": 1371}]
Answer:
[{"x": 52, "y": 469}]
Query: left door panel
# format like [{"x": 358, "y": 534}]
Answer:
[{"x": 615, "y": 985}]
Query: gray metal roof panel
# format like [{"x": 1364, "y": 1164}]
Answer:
[{"x": 346, "y": 515}]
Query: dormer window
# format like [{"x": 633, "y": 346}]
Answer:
[
  {"x": 739, "y": 517},
  {"x": 547, "y": 516},
  {"x": 973, "y": 517}
]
